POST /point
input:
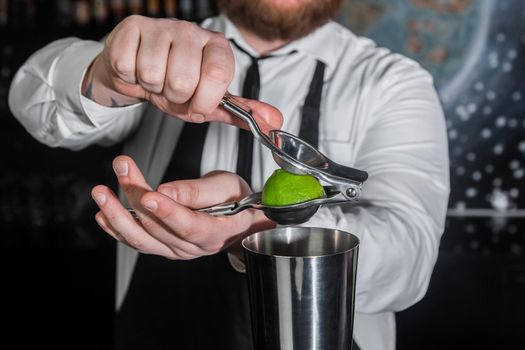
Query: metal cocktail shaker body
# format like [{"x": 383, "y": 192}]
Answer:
[{"x": 302, "y": 288}]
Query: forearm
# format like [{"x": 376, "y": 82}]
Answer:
[
  {"x": 98, "y": 87},
  {"x": 45, "y": 97}
]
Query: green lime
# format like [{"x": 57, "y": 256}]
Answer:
[{"x": 284, "y": 188}]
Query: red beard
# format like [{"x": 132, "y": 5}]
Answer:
[{"x": 272, "y": 22}]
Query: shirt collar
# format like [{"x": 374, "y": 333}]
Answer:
[{"x": 325, "y": 43}]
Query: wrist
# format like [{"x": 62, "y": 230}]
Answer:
[{"x": 97, "y": 86}]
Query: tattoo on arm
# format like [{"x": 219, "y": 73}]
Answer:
[{"x": 103, "y": 95}]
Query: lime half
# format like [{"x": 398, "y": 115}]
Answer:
[{"x": 284, "y": 188}]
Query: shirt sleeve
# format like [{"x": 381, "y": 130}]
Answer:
[
  {"x": 400, "y": 218},
  {"x": 45, "y": 97}
]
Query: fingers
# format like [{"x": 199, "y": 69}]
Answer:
[
  {"x": 131, "y": 181},
  {"x": 179, "y": 67},
  {"x": 215, "y": 187},
  {"x": 134, "y": 186},
  {"x": 167, "y": 226},
  {"x": 128, "y": 173},
  {"x": 119, "y": 223},
  {"x": 152, "y": 59},
  {"x": 183, "y": 72},
  {"x": 121, "y": 49},
  {"x": 267, "y": 117},
  {"x": 176, "y": 60},
  {"x": 216, "y": 73},
  {"x": 106, "y": 226},
  {"x": 211, "y": 234}
]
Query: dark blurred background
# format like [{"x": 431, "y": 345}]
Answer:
[{"x": 58, "y": 266}]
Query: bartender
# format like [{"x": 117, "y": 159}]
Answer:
[{"x": 155, "y": 84}]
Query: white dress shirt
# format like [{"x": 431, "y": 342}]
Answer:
[{"x": 379, "y": 113}]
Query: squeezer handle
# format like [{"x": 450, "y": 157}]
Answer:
[{"x": 349, "y": 173}]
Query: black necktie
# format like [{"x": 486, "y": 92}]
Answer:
[
  {"x": 312, "y": 107},
  {"x": 250, "y": 89}
]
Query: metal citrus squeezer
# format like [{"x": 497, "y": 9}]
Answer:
[{"x": 296, "y": 156}]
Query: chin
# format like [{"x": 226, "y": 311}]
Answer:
[{"x": 280, "y": 19}]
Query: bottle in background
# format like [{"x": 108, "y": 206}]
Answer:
[
  {"x": 118, "y": 10},
  {"x": 81, "y": 12},
  {"x": 153, "y": 9},
  {"x": 170, "y": 8},
  {"x": 4, "y": 10},
  {"x": 135, "y": 7},
  {"x": 100, "y": 11}
]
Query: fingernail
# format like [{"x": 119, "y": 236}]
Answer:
[
  {"x": 198, "y": 118},
  {"x": 121, "y": 168},
  {"x": 99, "y": 198},
  {"x": 151, "y": 205}
]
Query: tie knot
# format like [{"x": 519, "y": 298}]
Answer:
[
  {"x": 253, "y": 58},
  {"x": 258, "y": 58}
]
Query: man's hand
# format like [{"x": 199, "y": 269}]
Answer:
[
  {"x": 180, "y": 68},
  {"x": 168, "y": 225}
]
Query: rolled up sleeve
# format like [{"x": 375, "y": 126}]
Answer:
[{"x": 45, "y": 97}]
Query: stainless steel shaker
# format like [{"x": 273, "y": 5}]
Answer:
[{"x": 302, "y": 288}]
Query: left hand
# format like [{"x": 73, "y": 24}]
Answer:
[{"x": 168, "y": 225}]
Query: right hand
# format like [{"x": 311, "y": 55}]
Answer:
[
  {"x": 180, "y": 68},
  {"x": 168, "y": 223}
]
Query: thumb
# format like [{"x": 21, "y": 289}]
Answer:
[
  {"x": 267, "y": 117},
  {"x": 213, "y": 188}
]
